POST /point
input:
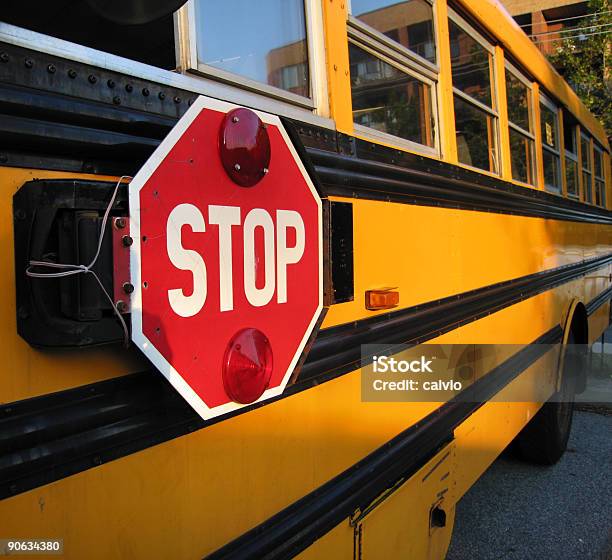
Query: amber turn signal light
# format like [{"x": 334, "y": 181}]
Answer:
[{"x": 386, "y": 298}]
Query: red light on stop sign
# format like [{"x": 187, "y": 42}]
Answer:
[
  {"x": 247, "y": 366},
  {"x": 244, "y": 146}
]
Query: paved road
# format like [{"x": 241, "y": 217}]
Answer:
[{"x": 518, "y": 511}]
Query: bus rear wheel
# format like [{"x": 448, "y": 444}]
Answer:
[{"x": 544, "y": 439}]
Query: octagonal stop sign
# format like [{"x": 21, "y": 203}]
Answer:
[{"x": 227, "y": 257}]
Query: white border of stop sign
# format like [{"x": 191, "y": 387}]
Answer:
[{"x": 141, "y": 179}]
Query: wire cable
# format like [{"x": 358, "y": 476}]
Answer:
[
  {"x": 585, "y": 16},
  {"x": 73, "y": 269},
  {"x": 571, "y": 30},
  {"x": 579, "y": 37}
]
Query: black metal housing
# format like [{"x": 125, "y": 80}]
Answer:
[
  {"x": 60, "y": 221},
  {"x": 341, "y": 252}
]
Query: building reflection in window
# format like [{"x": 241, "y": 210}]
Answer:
[
  {"x": 409, "y": 23},
  {"x": 471, "y": 65},
  {"x": 262, "y": 41}
]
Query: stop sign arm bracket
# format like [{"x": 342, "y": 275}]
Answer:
[
  {"x": 59, "y": 221},
  {"x": 338, "y": 271}
]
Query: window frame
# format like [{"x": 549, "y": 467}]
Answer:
[
  {"x": 386, "y": 137},
  {"x": 568, "y": 155},
  {"x": 590, "y": 171},
  {"x": 516, "y": 73},
  {"x": 493, "y": 111},
  {"x": 601, "y": 178},
  {"x": 187, "y": 44},
  {"x": 544, "y": 100},
  {"x": 393, "y": 53}
]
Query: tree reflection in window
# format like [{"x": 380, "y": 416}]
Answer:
[
  {"x": 522, "y": 141},
  {"x": 389, "y": 100},
  {"x": 475, "y": 136}
]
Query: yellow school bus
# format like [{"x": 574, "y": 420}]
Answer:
[{"x": 467, "y": 195}]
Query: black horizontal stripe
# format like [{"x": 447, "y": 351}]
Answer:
[
  {"x": 598, "y": 301},
  {"x": 53, "y": 436},
  {"x": 58, "y": 137},
  {"x": 417, "y": 180},
  {"x": 296, "y": 527}
]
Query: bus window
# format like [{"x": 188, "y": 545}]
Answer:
[
  {"x": 570, "y": 138},
  {"x": 520, "y": 122},
  {"x": 587, "y": 167},
  {"x": 549, "y": 120},
  {"x": 474, "y": 99},
  {"x": 600, "y": 182},
  {"x": 393, "y": 89},
  {"x": 388, "y": 99},
  {"x": 264, "y": 42},
  {"x": 409, "y": 23}
]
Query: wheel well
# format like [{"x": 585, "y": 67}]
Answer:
[{"x": 580, "y": 324}]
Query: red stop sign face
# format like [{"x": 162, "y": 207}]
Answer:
[{"x": 227, "y": 276}]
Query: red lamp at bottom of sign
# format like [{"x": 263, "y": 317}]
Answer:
[{"x": 247, "y": 366}]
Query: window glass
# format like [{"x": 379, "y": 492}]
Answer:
[
  {"x": 475, "y": 136},
  {"x": 519, "y": 102},
  {"x": 587, "y": 186},
  {"x": 552, "y": 175},
  {"x": 550, "y": 127},
  {"x": 587, "y": 166},
  {"x": 521, "y": 153},
  {"x": 519, "y": 115},
  {"x": 470, "y": 63},
  {"x": 585, "y": 148},
  {"x": 550, "y": 147},
  {"x": 410, "y": 23},
  {"x": 598, "y": 163},
  {"x": 571, "y": 177},
  {"x": 600, "y": 186},
  {"x": 600, "y": 192},
  {"x": 263, "y": 41},
  {"x": 569, "y": 134},
  {"x": 389, "y": 100}
]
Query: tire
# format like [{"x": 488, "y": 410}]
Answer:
[{"x": 544, "y": 439}]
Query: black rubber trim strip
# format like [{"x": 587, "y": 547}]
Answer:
[
  {"x": 296, "y": 527},
  {"x": 431, "y": 183},
  {"x": 78, "y": 140},
  {"x": 598, "y": 301},
  {"x": 53, "y": 436}
]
